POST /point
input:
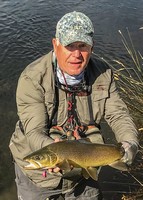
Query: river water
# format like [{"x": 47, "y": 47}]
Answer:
[{"x": 26, "y": 30}]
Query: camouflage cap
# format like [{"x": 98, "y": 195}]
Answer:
[{"x": 73, "y": 27}]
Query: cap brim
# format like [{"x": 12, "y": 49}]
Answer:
[{"x": 82, "y": 38}]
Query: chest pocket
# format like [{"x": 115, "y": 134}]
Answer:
[
  {"x": 99, "y": 95},
  {"x": 100, "y": 91}
]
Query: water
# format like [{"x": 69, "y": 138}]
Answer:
[{"x": 26, "y": 30}]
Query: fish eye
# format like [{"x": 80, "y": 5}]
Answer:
[{"x": 37, "y": 157}]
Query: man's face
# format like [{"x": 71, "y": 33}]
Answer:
[{"x": 72, "y": 59}]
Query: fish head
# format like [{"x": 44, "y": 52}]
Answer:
[
  {"x": 35, "y": 161},
  {"x": 40, "y": 159}
]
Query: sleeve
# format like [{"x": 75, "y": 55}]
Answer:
[
  {"x": 118, "y": 117},
  {"x": 32, "y": 113}
]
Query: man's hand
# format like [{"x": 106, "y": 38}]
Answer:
[
  {"x": 131, "y": 149},
  {"x": 54, "y": 170}
]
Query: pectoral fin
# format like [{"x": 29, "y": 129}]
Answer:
[
  {"x": 90, "y": 172},
  {"x": 64, "y": 165},
  {"x": 119, "y": 165}
]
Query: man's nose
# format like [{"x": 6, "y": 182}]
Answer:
[{"x": 76, "y": 53}]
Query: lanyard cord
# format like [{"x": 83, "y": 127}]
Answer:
[
  {"x": 70, "y": 98},
  {"x": 72, "y": 120}
]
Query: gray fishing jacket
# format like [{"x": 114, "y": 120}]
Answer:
[{"x": 36, "y": 101}]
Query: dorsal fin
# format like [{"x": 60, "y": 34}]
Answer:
[{"x": 84, "y": 140}]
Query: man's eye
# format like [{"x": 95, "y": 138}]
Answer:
[
  {"x": 70, "y": 45},
  {"x": 82, "y": 45}
]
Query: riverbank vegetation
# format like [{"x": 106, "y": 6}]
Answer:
[{"x": 129, "y": 78}]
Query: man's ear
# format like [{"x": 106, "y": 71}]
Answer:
[{"x": 54, "y": 42}]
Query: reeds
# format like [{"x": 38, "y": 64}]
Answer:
[{"x": 129, "y": 79}]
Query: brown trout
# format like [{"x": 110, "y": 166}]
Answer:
[{"x": 79, "y": 154}]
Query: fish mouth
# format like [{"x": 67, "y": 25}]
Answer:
[{"x": 33, "y": 165}]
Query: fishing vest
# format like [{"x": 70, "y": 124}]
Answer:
[
  {"x": 87, "y": 109},
  {"x": 60, "y": 102}
]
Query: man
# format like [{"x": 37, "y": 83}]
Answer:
[{"x": 64, "y": 95}]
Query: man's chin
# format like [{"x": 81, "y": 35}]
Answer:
[{"x": 74, "y": 71}]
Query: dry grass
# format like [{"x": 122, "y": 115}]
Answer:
[
  {"x": 137, "y": 195},
  {"x": 130, "y": 83},
  {"x": 129, "y": 79}
]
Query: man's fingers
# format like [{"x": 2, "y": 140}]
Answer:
[
  {"x": 55, "y": 170},
  {"x": 57, "y": 140},
  {"x": 50, "y": 170}
]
